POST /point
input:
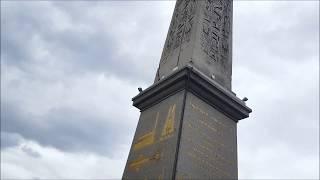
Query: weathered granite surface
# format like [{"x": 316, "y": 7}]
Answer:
[{"x": 200, "y": 34}]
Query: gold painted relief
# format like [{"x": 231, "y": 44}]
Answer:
[
  {"x": 148, "y": 138},
  {"x": 168, "y": 128},
  {"x": 142, "y": 161},
  {"x": 161, "y": 176}
]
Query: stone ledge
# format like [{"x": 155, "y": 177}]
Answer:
[{"x": 192, "y": 80}]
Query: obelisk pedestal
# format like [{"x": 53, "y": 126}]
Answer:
[
  {"x": 187, "y": 129},
  {"x": 188, "y": 123}
]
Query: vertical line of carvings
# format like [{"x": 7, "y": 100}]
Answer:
[
  {"x": 216, "y": 30},
  {"x": 180, "y": 27},
  {"x": 188, "y": 17}
]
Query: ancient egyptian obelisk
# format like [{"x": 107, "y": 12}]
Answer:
[{"x": 188, "y": 123}]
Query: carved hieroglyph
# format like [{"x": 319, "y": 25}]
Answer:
[
  {"x": 180, "y": 27},
  {"x": 200, "y": 34},
  {"x": 216, "y": 30}
]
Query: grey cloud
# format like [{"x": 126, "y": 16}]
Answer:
[
  {"x": 84, "y": 45},
  {"x": 289, "y": 35},
  {"x": 9, "y": 139},
  {"x": 276, "y": 67},
  {"x": 64, "y": 129},
  {"x": 289, "y": 121},
  {"x": 297, "y": 38},
  {"x": 80, "y": 51},
  {"x": 31, "y": 152},
  {"x": 285, "y": 109}
]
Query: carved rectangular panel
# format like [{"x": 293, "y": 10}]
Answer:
[
  {"x": 153, "y": 150},
  {"x": 208, "y": 144}
]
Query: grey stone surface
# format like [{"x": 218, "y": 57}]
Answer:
[
  {"x": 208, "y": 144},
  {"x": 202, "y": 143},
  {"x": 154, "y": 146},
  {"x": 200, "y": 34}
]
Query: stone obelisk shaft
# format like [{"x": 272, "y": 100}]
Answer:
[{"x": 200, "y": 34}]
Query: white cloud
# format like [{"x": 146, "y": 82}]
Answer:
[
  {"x": 276, "y": 162},
  {"x": 55, "y": 164}
]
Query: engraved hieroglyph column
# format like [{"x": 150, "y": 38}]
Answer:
[
  {"x": 200, "y": 34},
  {"x": 188, "y": 123}
]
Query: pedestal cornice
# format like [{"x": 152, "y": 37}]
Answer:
[{"x": 191, "y": 79}]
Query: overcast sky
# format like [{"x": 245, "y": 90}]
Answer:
[{"x": 70, "y": 69}]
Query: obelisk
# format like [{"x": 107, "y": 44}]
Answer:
[{"x": 188, "y": 123}]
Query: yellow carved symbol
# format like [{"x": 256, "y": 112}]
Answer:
[
  {"x": 168, "y": 128},
  {"x": 141, "y": 161},
  {"x": 146, "y": 139}
]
